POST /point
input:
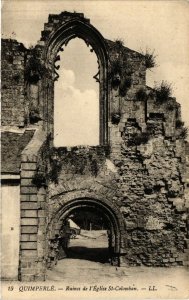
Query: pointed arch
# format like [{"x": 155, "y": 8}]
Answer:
[{"x": 56, "y": 41}]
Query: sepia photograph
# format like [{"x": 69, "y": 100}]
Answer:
[{"x": 94, "y": 149}]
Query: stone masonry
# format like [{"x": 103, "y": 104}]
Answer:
[{"x": 135, "y": 176}]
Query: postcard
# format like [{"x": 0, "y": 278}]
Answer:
[{"x": 94, "y": 149}]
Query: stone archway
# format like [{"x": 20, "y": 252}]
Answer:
[{"x": 109, "y": 211}]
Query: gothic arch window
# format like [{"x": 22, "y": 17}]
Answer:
[
  {"x": 76, "y": 96},
  {"x": 58, "y": 40}
]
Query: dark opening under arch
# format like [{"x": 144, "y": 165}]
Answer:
[{"x": 111, "y": 220}]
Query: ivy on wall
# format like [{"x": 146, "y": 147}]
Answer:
[
  {"x": 35, "y": 68},
  {"x": 78, "y": 160}
]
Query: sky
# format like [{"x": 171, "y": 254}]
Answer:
[
  {"x": 76, "y": 105},
  {"x": 162, "y": 26}
]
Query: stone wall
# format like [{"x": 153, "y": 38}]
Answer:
[
  {"x": 13, "y": 93},
  {"x": 33, "y": 213}
]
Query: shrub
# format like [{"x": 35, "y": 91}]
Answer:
[
  {"x": 119, "y": 43},
  {"x": 34, "y": 115},
  {"x": 35, "y": 69},
  {"x": 39, "y": 179},
  {"x": 120, "y": 76},
  {"x": 179, "y": 124},
  {"x": 115, "y": 118},
  {"x": 141, "y": 95},
  {"x": 170, "y": 106},
  {"x": 151, "y": 94},
  {"x": 150, "y": 59},
  {"x": 56, "y": 167},
  {"x": 116, "y": 68},
  {"x": 163, "y": 92},
  {"x": 124, "y": 86},
  {"x": 184, "y": 133}
]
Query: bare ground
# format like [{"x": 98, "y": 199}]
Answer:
[{"x": 87, "y": 274}]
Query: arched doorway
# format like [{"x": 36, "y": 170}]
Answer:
[{"x": 102, "y": 224}]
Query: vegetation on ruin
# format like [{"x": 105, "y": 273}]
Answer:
[
  {"x": 120, "y": 76},
  {"x": 79, "y": 160},
  {"x": 116, "y": 68},
  {"x": 121, "y": 70},
  {"x": 55, "y": 168},
  {"x": 163, "y": 92},
  {"x": 170, "y": 106},
  {"x": 179, "y": 124},
  {"x": 119, "y": 43},
  {"x": 34, "y": 69},
  {"x": 184, "y": 133},
  {"x": 39, "y": 179},
  {"x": 34, "y": 115},
  {"x": 124, "y": 86},
  {"x": 141, "y": 95},
  {"x": 150, "y": 59},
  {"x": 115, "y": 118},
  {"x": 138, "y": 139}
]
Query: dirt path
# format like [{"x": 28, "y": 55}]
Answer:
[
  {"x": 87, "y": 274},
  {"x": 88, "y": 265}
]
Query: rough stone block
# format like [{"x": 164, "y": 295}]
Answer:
[
  {"x": 29, "y": 271},
  {"x": 40, "y": 277},
  {"x": 24, "y": 237},
  {"x": 41, "y": 213},
  {"x": 41, "y": 198},
  {"x": 28, "y": 245},
  {"x": 42, "y": 220},
  {"x": 29, "y": 221},
  {"x": 172, "y": 259},
  {"x": 28, "y": 166},
  {"x": 27, "y": 174},
  {"x": 29, "y": 205},
  {"x": 28, "y": 237},
  {"x": 29, "y": 253},
  {"x": 24, "y": 198},
  {"x": 27, "y": 278},
  {"x": 29, "y": 229},
  {"x": 28, "y": 158},
  {"x": 28, "y": 213},
  {"x": 27, "y": 182},
  {"x": 28, "y": 190}
]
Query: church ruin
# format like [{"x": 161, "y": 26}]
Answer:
[{"x": 135, "y": 177}]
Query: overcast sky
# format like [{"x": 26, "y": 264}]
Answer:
[{"x": 162, "y": 26}]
